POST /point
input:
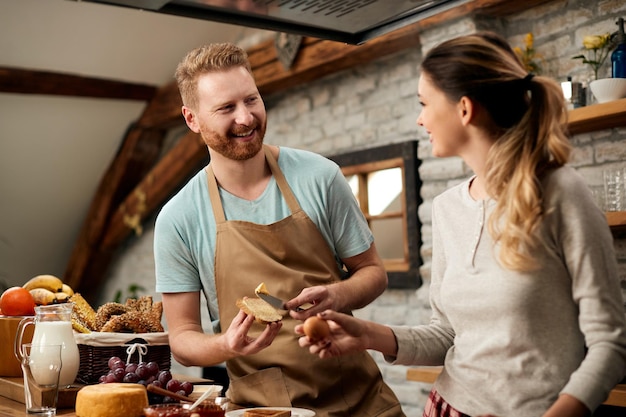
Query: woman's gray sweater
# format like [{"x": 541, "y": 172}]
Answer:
[{"x": 511, "y": 342}]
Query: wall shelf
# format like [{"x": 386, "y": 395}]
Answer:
[
  {"x": 597, "y": 117},
  {"x": 617, "y": 221}
]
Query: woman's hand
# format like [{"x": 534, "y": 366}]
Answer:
[{"x": 347, "y": 335}]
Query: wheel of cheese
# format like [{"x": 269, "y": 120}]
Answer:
[{"x": 111, "y": 400}]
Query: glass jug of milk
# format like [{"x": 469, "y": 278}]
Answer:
[{"x": 53, "y": 326}]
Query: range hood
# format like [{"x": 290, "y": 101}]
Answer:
[{"x": 349, "y": 21}]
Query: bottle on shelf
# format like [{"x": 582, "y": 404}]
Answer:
[{"x": 618, "y": 57}]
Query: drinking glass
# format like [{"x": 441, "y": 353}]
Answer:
[
  {"x": 614, "y": 189},
  {"x": 41, "y": 365}
]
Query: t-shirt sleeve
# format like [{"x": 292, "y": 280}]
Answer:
[
  {"x": 350, "y": 230},
  {"x": 174, "y": 267}
]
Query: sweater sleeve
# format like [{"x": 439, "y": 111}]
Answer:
[
  {"x": 588, "y": 252},
  {"x": 427, "y": 345}
]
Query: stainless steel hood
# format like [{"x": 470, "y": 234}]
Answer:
[{"x": 349, "y": 21}]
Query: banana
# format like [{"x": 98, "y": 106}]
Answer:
[
  {"x": 49, "y": 282},
  {"x": 67, "y": 290},
  {"x": 61, "y": 297},
  {"x": 42, "y": 296}
]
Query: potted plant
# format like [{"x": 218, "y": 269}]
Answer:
[{"x": 597, "y": 49}]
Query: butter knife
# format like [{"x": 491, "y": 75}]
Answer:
[{"x": 279, "y": 304}]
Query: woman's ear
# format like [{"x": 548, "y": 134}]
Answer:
[
  {"x": 467, "y": 110},
  {"x": 190, "y": 119}
]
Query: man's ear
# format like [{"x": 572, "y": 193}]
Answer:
[
  {"x": 467, "y": 110},
  {"x": 190, "y": 119}
]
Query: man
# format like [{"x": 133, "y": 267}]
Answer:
[{"x": 256, "y": 214}]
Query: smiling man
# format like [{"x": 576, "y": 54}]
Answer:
[{"x": 260, "y": 213}]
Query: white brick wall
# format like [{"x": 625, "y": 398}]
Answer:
[{"x": 376, "y": 104}]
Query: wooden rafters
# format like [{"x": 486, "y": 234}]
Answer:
[{"x": 23, "y": 81}]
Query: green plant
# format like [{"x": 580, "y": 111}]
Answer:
[
  {"x": 597, "y": 48},
  {"x": 529, "y": 56},
  {"x": 131, "y": 292}
]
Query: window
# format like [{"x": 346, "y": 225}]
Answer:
[{"x": 385, "y": 181}]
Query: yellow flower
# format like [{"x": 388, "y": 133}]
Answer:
[
  {"x": 596, "y": 41},
  {"x": 529, "y": 40},
  {"x": 528, "y": 55},
  {"x": 599, "y": 47}
]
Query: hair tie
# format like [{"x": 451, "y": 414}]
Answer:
[{"x": 527, "y": 79}]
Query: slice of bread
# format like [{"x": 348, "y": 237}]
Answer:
[
  {"x": 267, "y": 413},
  {"x": 261, "y": 310}
]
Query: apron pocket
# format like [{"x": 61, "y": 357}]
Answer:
[{"x": 265, "y": 388}]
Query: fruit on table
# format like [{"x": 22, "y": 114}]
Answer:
[
  {"x": 17, "y": 301},
  {"x": 145, "y": 373},
  {"x": 48, "y": 289}
]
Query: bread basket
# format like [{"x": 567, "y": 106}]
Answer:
[{"x": 96, "y": 348}]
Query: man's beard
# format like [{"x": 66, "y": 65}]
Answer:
[{"x": 231, "y": 148}]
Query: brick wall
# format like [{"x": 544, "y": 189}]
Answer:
[{"x": 376, "y": 104}]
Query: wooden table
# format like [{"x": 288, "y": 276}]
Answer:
[
  {"x": 10, "y": 408},
  {"x": 428, "y": 374},
  {"x": 12, "y": 396}
]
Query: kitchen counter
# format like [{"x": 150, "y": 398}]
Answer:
[
  {"x": 428, "y": 374},
  {"x": 10, "y": 408}
]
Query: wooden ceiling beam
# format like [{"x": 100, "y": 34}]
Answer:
[{"x": 23, "y": 81}]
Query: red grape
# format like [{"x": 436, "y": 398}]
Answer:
[
  {"x": 119, "y": 374},
  {"x": 142, "y": 371},
  {"x": 131, "y": 378},
  {"x": 164, "y": 377},
  {"x": 173, "y": 385},
  {"x": 112, "y": 360},
  {"x": 110, "y": 377},
  {"x": 187, "y": 387},
  {"x": 153, "y": 368}
]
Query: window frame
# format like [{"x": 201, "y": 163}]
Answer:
[{"x": 404, "y": 274}]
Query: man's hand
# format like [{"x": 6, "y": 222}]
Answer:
[{"x": 240, "y": 344}]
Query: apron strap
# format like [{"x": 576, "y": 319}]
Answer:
[
  {"x": 214, "y": 194},
  {"x": 281, "y": 181},
  {"x": 285, "y": 189}
]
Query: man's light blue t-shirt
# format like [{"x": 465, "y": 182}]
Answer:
[{"x": 184, "y": 241}]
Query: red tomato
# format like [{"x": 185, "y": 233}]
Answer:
[{"x": 17, "y": 301}]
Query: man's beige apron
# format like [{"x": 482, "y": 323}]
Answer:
[{"x": 288, "y": 256}]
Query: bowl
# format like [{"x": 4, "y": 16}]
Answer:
[
  {"x": 608, "y": 89},
  {"x": 199, "y": 389},
  {"x": 205, "y": 409}
]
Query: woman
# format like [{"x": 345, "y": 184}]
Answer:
[{"x": 527, "y": 310}]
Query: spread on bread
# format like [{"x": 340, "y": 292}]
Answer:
[
  {"x": 111, "y": 400},
  {"x": 261, "y": 289}
]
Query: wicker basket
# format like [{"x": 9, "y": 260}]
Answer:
[{"x": 96, "y": 348}]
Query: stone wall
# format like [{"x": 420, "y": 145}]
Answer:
[{"x": 376, "y": 104}]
